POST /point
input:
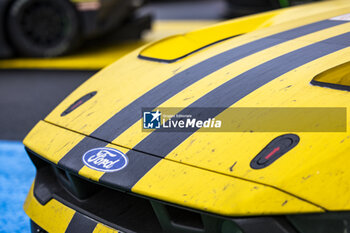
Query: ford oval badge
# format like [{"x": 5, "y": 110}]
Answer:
[{"x": 105, "y": 159}]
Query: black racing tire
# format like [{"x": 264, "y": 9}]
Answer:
[
  {"x": 247, "y": 7},
  {"x": 43, "y": 28},
  {"x": 258, "y": 4}
]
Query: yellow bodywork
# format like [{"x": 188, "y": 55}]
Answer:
[
  {"x": 339, "y": 75},
  {"x": 181, "y": 184},
  {"x": 312, "y": 177},
  {"x": 178, "y": 46}
]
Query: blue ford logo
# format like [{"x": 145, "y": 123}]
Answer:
[{"x": 105, "y": 159}]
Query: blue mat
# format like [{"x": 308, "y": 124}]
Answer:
[{"x": 16, "y": 176}]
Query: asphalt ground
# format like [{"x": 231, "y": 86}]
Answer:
[{"x": 27, "y": 96}]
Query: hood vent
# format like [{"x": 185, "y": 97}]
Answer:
[{"x": 336, "y": 78}]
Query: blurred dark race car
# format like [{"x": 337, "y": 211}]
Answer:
[
  {"x": 245, "y": 7},
  {"x": 46, "y": 28}
]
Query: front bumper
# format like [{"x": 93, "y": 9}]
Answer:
[
  {"x": 66, "y": 214},
  {"x": 98, "y": 214},
  {"x": 58, "y": 216},
  {"x": 172, "y": 197}
]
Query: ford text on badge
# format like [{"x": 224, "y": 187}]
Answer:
[{"x": 105, "y": 159}]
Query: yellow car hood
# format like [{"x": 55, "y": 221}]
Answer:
[{"x": 271, "y": 67}]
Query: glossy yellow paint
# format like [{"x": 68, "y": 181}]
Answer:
[
  {"x": 50, "y": 141},
  {"x": 316, "y": 170},
  {"x": 53, "y": 217},
  {"x": 119, "y": 84},
  {"x": 100, "y": 228},
  {"x": 90, "y": 173},
  {"x": 100, "y": 55},
  {"x": 176, "y": 47},
  {"x": 197, "y": 173},
  {"x": 54, "y": 145},
  {"x": 133, "y": 135},
  {"x": 185, "y": 183},
  {"x": 339, "y": 75},
  {"x": 212, "y": 192}
]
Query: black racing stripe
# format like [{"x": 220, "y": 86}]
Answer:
[
  {"x": 81, "y": 223},
  {"x": 131, "y": 114},
  {"x": 237, "y": 88},
  {"x": 139, "y": 164},
  {"x": 125, "y": 118},
  {"x": 128, "y": 116},
  {"x": 73, "y": 159},
  {"x": 162, "y": 143}
]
